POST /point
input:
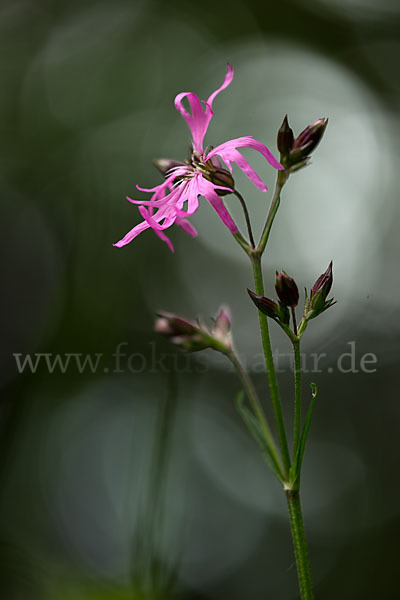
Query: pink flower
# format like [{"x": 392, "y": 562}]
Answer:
[{"x": 178, "y": 196}]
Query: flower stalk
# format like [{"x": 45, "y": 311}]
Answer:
[
  {"x": 281, "y": 179},
  {"x": 297, "y": 395},
  {"x": 246, "y": 216}
]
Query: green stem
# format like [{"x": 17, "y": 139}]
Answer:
[
  {"x": 242, "y": 242},
  {"x": 273, "y": 209},
  {"x": 300, "y": 545},
  {"x": 294, "y": 320},
  {"x": 246, "y": 216},
  {"x": 258, "y": 410},
  {"x": 297, "y": 396},
  {"x": 269, "y": 363}
]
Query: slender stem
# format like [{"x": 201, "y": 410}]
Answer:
[
  {"x": 273, "y": 209},
  {"x": 246, "y": 216},
  {"x": 258, "y": 410},
  {"x": 297, "y": 395},
  {"x": 300, "y": 545},
  {"x": 294, "y": 320},
  {"x": 242, "y": 242},
  {"x": 269, "y": 363}
]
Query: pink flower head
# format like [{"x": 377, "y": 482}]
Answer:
[{"x": 177, "y": 198}]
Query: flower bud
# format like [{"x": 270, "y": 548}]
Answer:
[
  {"x": 171, "y": 326},
  {"x": 265, "y": 305},
  {"x": 319, "y": 292},
  {"x": 215, "y": 173},
  {"x": 323, "y": 284},
  {"x": 272, "y": 309},
  {"x": 224, "y": 178},
  {"x": 286, "y": 289},
  {"x": 222, "y": 326},
  {"x": 192, "y": 336},
  {"x": 164, "y": 165},
  {"x": 308, "y": 140},
  {"x": 285, "y": 138}
]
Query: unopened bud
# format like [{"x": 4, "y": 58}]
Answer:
[
  {"x": 278, "y": 312},
  {"x": 323, "y": 284},
  {"x": 164, "y": 165},
  {"x": 192, "y": 336},
  {"x": 224, "y": 178},
  {"x": 215, "y": 173},
  {"x": 319, "y": 292},
  {"x": 286, "y": 289},
  {"x": 285, "y": 138},
  {"x": 265, "y": 305},
  {"x": 308, "y": 140},
  {"x": 171, "y": 326},
  {"x": 222, "y": 327}
]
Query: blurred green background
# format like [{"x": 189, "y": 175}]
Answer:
[{"x": 143, "y": 483}]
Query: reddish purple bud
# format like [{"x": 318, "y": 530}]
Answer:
[
  {"x": 323, "y": 284},
  {"x": 286, "y": 289},
  {"x": 285, "y": 138},
  {"x": 215, "y": 173},
  {"x": 308, "y": 140},
  {"x": 265, "y": 305},
  {"x": 278, "y": 312},
  {"x": 223, "y": 178},
  {"x": 171, "y": 325},
  {"x": 319, "y": 292}
]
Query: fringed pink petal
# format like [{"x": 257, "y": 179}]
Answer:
[
  {"x": 229, "y": 153},
  {"x": 186, "y": 226},
  {"x": 154, "y": 203},
  {"x": 193, "y": 196},
  {"x": 233, "y": 155},
  {"x": 154, "y": 220},
  {"x": 178, "y": 172},
  {"x": 156, "y": 227},
  {"x": 199, "y": 119},
  {"x": 132, "y": 234},
  {"x": 227, "y": 81},
  {"x": 207, "y": 189},
  {"x": 245, "y": 142}
]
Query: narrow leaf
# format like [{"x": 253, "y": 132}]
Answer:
[{"x": 295, "y": 469}]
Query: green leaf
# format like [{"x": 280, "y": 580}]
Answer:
[
  {"x": 256, "y": 431},
  {"x": 295, "y": 469}
]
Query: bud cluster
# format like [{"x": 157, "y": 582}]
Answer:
[
  {"x": 191, "y": 336},
  {"x": 295, "y": 152},
  {"x": 288, "y": 298}
]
